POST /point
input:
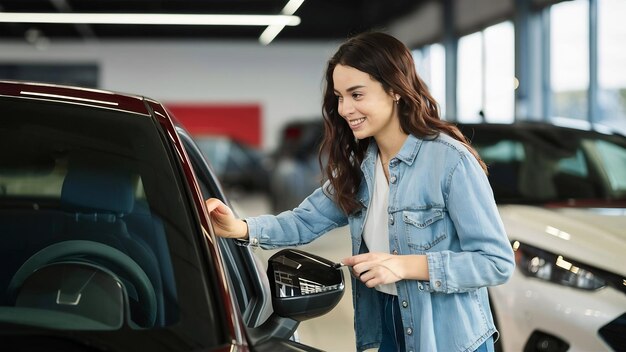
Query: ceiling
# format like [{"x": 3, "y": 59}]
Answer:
[{"x": 320, "y": 19}]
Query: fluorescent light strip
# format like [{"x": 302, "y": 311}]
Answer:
[
  {"x": 291, "y": 7},
  {"x": 150, "y": 19},
  {"x": 272, "y": 31}
]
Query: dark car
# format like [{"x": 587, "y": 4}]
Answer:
[
  {"x": 296, "y": 170},
  {"x": 105, "y": 243},
  {"x": 238, "y": 166}
]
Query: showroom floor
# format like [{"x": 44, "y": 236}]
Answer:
[{"x": 333, "y": 331}]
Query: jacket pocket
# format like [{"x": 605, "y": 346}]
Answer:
[{"x": 424, "y": 228}]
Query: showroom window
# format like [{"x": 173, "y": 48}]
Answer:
[
  {"x": 499, "y": 72},
  {"x": 470, "y": 78},
  {"x": 486, "y": 75},
  {"x": 430, "y": 62},
  {"x": 611, "y": 59},
  {"x": 569, "y": 59}
]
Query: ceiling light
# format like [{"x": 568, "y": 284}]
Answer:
[
  {"x": 272, "y": 31},
  {"x": 151, "y": 19}
]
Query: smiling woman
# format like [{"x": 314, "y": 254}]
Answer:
[{"x": 427, "y": 239}]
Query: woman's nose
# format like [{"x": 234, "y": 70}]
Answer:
[{"x": 345, "y": 108}]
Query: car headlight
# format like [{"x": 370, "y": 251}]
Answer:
[{"x": 541, "y": 264}]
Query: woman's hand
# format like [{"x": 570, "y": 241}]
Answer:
[
  {"x": 375, "y": 268},
  {"x": 383, "y": 268},
  {"x": 225, "y": 224}
]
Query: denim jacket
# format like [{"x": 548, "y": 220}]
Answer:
[{"x": 440, "y": 205}]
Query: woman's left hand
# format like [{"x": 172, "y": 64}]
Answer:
[{"x": 376, "y": 268}]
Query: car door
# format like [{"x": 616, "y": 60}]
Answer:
[{"x": 248, "y": 279}]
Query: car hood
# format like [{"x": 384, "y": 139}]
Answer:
[{"x": 594, "y": 236}]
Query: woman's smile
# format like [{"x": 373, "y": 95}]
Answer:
[{"x": 356, "y": 123}]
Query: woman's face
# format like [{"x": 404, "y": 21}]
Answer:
[{"x": 369, "y": 110}]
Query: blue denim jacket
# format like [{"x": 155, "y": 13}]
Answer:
[{"x": 441, "y": 205}]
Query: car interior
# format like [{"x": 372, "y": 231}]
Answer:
[
  {"x": 76, "y": 227},
  {"x": 536, "y": 166}
]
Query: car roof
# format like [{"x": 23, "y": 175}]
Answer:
[
  {"x": 74, "y": 95},
  {"x": 529, "y": 125}
]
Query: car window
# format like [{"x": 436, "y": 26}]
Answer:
[
  {"x": 503, "y": 151},
  {"x": 97, "y": 232},
  {"x": 216, "y": 150},
  {"x": 576, "y": 165},
  {"x": 241, "y": 266},
  {"x": 614, "y": 157},
  {"x": 551, "y": 164}
]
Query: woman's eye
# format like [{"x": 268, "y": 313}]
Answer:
[
  {"x": 339, "y": 98},
  {"x": 356, "y": 95}
]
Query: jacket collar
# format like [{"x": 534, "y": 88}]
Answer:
[{"x": 407, "y": 153}]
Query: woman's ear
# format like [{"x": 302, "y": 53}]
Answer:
[{"x": 394, "y": 96}]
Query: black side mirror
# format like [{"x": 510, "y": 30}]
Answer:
[{"x": 303, "y": 285}]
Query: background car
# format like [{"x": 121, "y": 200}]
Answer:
[
  {"x": 561, "y": 193},
  {"x": 105, "y": 243},
  {"x": 237, "y": 166},
  {"x": 296, "y": 171}
]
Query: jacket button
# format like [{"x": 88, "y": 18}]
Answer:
[
  {"x": 392, "y": 179},
  {"x": 420, "y": 287},
  {"x": 437, "y": 283},
  {"x": 254, "y": 241},
  {"x": 395, "y": 252},
  {"x": 405, "y": 304},
  {"x": 391, "y": 219},
  {"x": 409, "y": 331}
]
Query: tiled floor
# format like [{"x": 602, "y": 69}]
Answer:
[{"x": 332, "y": 332}]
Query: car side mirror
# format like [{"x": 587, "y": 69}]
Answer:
[{"x": 303, "y": 285}]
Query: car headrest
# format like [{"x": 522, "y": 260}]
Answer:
[{"x": 99, "y": 188}]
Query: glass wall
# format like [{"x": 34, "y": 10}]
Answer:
[
  {"x": 430, "y": 64},
  {"x": 486, "y": 75},
  {"x": 470, "y": 82},
  {"x": 569, "y": 53},
  {"x": 567, "y": 80},
  {"x": 500, "y": 72},
  {"x": 612, "y": 63}
]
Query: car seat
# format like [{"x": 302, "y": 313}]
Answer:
[{"x": 97, "y": 194}]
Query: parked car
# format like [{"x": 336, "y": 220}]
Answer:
[
  {"x": 105, "y": 242},
  {"x": 561, "y": 192},
  {"x": 237, "y": 166},
  {"x": 296, "y": 170}
]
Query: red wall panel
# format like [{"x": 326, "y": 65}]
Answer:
[{"x": 239, "y": 121}]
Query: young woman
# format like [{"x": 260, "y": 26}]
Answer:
[{"x": 427, "y": 239}]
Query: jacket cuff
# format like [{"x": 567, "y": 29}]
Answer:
[
  {"x": 436, "y": 272},
  {"x": 253, "y": 233}
]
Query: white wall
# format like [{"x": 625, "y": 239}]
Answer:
[{"x": 286, "y": 80}]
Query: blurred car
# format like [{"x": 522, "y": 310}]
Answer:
[
  {"x": 105, "y": 242},
  {"x": 561, "y": 192},
  {"x": 296, "y": 171},
  {"x": 236, "y": 165}
]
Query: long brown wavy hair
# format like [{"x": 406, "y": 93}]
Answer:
[{"x": 388, "y": 61}]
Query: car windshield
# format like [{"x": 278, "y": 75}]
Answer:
[
  {"x": 95, "y": 227},
  {"x": 545, "y": 164}
]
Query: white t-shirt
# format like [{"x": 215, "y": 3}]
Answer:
[{"x": 376, "y": 232}]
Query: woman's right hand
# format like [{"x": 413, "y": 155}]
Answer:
[{"x": 225, "y": 224}]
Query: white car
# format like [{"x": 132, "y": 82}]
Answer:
[{"x": 561, "y": 193}]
